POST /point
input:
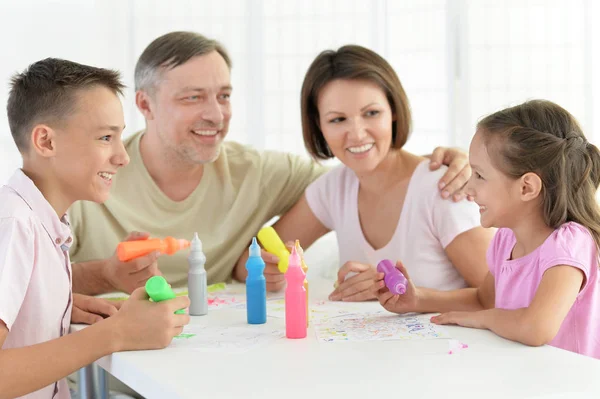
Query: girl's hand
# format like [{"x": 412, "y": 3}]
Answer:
[
  {"x": 464, "y": 319},
  {"x": 404, "y": 303}
]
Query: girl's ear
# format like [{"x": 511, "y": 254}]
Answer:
[{"x": 531, "y": 186}]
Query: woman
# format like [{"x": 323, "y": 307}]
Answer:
[{"x": 383, "y": 202}]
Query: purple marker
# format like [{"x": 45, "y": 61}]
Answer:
[{"x": 393, "y": 278}]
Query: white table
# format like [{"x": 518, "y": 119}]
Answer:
[{"x": 491, "y": 367}]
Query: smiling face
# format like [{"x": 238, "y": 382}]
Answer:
[
  {"x": 88, "y": 146},
  {"x": 356, "y": 120},
  {"x": 190, "y": 108},
  {"x": 497, "y": 195}
]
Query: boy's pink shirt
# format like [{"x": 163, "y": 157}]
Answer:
[
  {"x": 35, "y": 272},
  {"x": 516, "y": 281}
]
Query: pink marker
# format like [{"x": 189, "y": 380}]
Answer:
[
  {"x": 295, "y": 298},
  {"x": 393, "y": 278}
]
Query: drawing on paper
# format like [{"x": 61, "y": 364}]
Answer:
[
  {"x": 318, "y": 310},
  {"x": 378, "y": 328},
  {"x": 234, "y": 339}
]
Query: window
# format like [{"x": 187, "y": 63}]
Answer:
[{"x": 457, "y": 59}]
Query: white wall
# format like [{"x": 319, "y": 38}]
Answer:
[{"x": 458, "y": 59}]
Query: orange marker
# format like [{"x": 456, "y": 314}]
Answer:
[
  {"x": 128, "y": 250},
  {"x": 304, "y": 269}
]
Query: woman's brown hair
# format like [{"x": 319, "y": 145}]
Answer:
[
  {"x": 541, "y": 137},
  {"x": 354, "y": 63}
]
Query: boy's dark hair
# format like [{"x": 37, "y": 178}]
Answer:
[{"x": 46, "y": 93}]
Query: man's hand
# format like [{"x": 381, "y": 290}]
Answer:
[
  {"x": 90, "y": 310},
  {"x": 127, "y": 276},
  {"x": 457, "y": 175}
]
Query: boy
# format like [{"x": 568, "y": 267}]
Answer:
[{"x": 66, "y": 120}]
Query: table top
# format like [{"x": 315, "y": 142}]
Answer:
[{"x": 305, "y": 368}]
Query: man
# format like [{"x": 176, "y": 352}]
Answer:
[{"x": 183, "y": 178}]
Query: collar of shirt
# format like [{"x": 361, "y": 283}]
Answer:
[{"x": 58, "y": 229}]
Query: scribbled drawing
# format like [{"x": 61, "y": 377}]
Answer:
[
  {"x": 233, "y": 296},
  {"x": 234, "y": 339},
  {"x": 455, "y": 346},
  {"x": 220, "y": 301},
  {"x": 318, "y": 310},
  {"x": 184, "y": 336},
  {"x": 376, "y": 327}
]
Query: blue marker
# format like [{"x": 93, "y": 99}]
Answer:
[{"x": 256, "y": 286}]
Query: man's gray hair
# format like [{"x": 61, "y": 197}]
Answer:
[{"x": 170, "y": 51}]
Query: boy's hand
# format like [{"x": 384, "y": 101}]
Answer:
[
  {"x": 457, "y": 175},
  {"x": 127, "y": 276},
  {"x": 90, "y": 310},
  {"x": 404, "y": 303},
  {"x": 359, "y": 286},
  {"x": 141, "y": 324}
]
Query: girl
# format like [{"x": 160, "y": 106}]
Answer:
[
  {"x": 535, "y": 177},
  {"x": 383, "y": 202}
]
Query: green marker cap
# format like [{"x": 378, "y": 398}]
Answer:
[{"x": 159, "y": 290}]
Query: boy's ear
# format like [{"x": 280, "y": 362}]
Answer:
[
  {"x": 530, "y": 186},
  {"x": 142, "y": 100},
  {"x": 43, "y": 141}
]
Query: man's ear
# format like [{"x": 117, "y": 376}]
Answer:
[
  {"x": 144, "y": 104},
  {"x": 530, "y": 186},
  {"x": 43, "y": 141}
]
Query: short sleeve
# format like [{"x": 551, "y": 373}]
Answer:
[
  {"x": 450, "y": 219},
  {"x": 285, "y": 177},
  {"x": 490, "y": 255},
  {"x": 502, "y": 243},
  {"x": 322, "y": 196},
  {"x": 16, "y": 266},
  {"x": 571, "y": 245}
]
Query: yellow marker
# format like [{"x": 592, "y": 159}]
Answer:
[
  {"x": 304, "y": 269},
  {"x": 270, "y": 240}
]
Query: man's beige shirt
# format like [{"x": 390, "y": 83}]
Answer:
[{"x": 238, "y": 194}]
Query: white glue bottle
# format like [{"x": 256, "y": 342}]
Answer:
[{"x": 197, "y": 288}]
